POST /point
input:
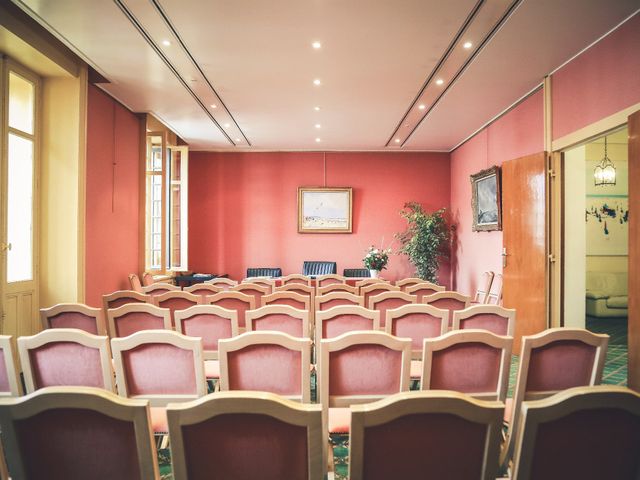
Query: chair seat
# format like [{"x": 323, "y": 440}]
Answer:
[
  {"x": 416, "y": 369},
  {"x": 339, "y": 420},
  {"x": 159, "y": 422},
  {"x": 212, "y": 369}
]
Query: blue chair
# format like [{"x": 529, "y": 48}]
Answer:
[
  {"x": 264, "y": 272},
  {"x": 355, "y": 272},
  {"x": 314, "y": 268}
]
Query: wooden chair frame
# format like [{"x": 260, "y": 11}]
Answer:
[
  {"x": 416, "y": 308},
  {"x": 115, "y": 313},
  {"x": 65, "y": 335},
  {"x": 408, "y": 282},
  {"x": 120, "y": 294},
  {"x": 508, "y": 313},
  {"x": 302, "y": 345},
  {"x": 212, "y": 289},
  {"x": 386, "y": 287},
  {"x": 183, "y": 315},
  {"x": 331, "y": 278},
  {"x": 97, "y": 313},
  {"x": 133, "y": 277},
  {"x": 267, "y": 282},
  {"x": 503, "y": 343},
  {"x": 259, "y": 403},
  {"x": 260, "y": 290},
  {"x": 437, "y": 402},
  {"x": 338, "y": 295},
  {"x": 157, "y": 299},
  {"x": 495, "y": 297},
  {"x": 85, "y": 398},
  {"x": 250, "y": 300},
  {"x": 482, "y": 292},
  {"x": 150, "y": 289},
  {"x": 194, "y": 344},
  {"x": 297, "y": 288},
  {"x": 258, "y": 313},
  {"x": 330, "y": 314},
  {"x": 272, "y": 298},
  {"x": 420, "y": 286},
  {"x": 374, "y": 300},
  {"x": 13, "y": 375},
  {"x": 296, "y": 278},
  {"x": 222, "y": 281},
  {"x": 336, "y": 287},
  {"x": 370, "y": 281}
]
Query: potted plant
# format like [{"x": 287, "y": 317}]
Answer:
[
  {"x": 426, "y": 240},
  {"x": 375, "y": 260}
]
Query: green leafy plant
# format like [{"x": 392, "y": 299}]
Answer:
[{"x": 426, "y": 240}]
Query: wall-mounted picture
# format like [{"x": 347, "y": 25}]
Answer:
[
  {"x": 324, "y": 210},
  {"x": 486, "y": 201},
  {"x": 607, "y": 220}
]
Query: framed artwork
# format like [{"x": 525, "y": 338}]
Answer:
[
  {"x": 486, "y": 202},
  {"x": 324, "y": 210},
  {"x": 607, "y": 218}
]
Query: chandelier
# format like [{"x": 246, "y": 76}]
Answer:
[{"x": 605, "y": 171}]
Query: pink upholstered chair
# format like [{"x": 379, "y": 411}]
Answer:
[
  {"x": 236, "y": 301},
  {"x": 389, "y": 300},
  {"x": 10, "y": 385},
  {"x": 211, "y": 323},
  {"x": 551, "y": 361},
  {"x": 336, "y": 299},
  {"x": 279, "y": 318},
  {"x": 423, "y": 289},
  {"x": 74, "y": 315},
  {"x": 177, "y": 301},
  {"x": 267, "y": 361},
  {"x": 337, "y": 287},
  {"x": 65, "y": 357},
  {"x": 296, "y": 278},
  {"x": 77, "y": 432},
  {"x": 346, "y": 318},
  {"x": 494, "y": 318},
  {"x": 160, "y": 288},
  {"x": 266, "y": 282},
  {"x": 298, "y": 288},
  {"x": 584, "y": 432},
  {"x": 447, "y": 300},
  {"x": 444, "y": 435},
  {"x": 475, "y": 362},
  {"x": 359, "y": 367},
  {"x": 292, "y": 299},
  {"x": 134, "y": 280},
  {"x": 329, "y": 279},
  {"x": 408, "y": 282},
  {"x": 483, "y": 288},
  {"x": 224, "y": 283},
  {"x": 372, "y": 290},
  {"x": 147, "y": 279},
  {"x": 203, "y": 289},
  {"x": 494, "y": 297},
  {"x": 369, "y": 281},
  {"x": 245, "y": 435},
  {"x": 122, "y": 297},
  {"x": 160, "y": 366},
  {"x": 253, "y": 289},
  {"x": 135, "y": 317}
]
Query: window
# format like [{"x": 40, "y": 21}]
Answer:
[{"x": 166, "y": 206}]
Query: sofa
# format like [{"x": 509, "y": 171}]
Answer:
[{"x": 606, "y": 294}]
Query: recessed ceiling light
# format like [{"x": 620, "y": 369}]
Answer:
[
  {"x": 227, "y": 125},
  {"x": 317, "y": 140},
  {"x": 467, "y": 45},
  {"x": 439, "y": 81},
  {"x": 316, "y": 45},
  {"x": 317, "y": 81},
  {"x": 317, "y": 109},
  {"x": 213, "y": 105},
  {"x": 318, "y": 125},
  {"x": 166, "y": 43},
  {"x": 397, "y": 140},
  {"x": 421, "y": 107}
]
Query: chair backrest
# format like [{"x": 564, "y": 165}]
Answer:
[
  {"x": 209, "y": 322},
  {"x": 224, "y": 283},
  {"x": 159, "y": 365},
  {"x": 267, "y": 361},
  {"x": 237, "y": 301},
  {"x": 484, "y": 287},
  {"x": 389, "y": 300},
  {"x": 10, "y": 385},
  {"x": 264, "y": 272},
  {"x": 370, "y": 281},
  {"x": 495, "y": 293},
  {"x": 296, "y": 278},
  {"x": 416, "y": 321},
  {"x": 65, "y": 357},
  {"x": 74, "y": 315},
  {"x": 95, "y": 433},
  {"x": 337, "y": 298},
  {"x": 286, "y": 297},
  {"x": 204, "y": 289},
  {"x": 297, "y": 288},
  {"x": 579, "y": 353},
  {"x": 267, "y": 282},
  {"x": 408, "y": 282},
  {"x": 316, "y": 268},
  {"x": 368, "y": 291},
  {"x": 423, "y": 289},
  {"x": 582, "y": 432},
  {"x": 122, "y": 297},
  {"x": 475, "y": 362},
  {"x": 494, "y": 318},
  {"x": 448, "y": 300},
  {"x": 337, "y": 287},
  {"x": 414, "y": 434},
  {"x": 246, "y": 435},
  {"x": 330, "y": 279},
  {"x": 253, "y": 289},
  {"x": 345, "y": 318},
  {"x": 177, "y": 301},
  {"x": 160, "y": 288},
  {"x": 279, "y": 318},
  {"x": 135, "y": 317},
  {"x": 136, "y": 284},
  {"x": 147, "y": 279},
  {"x": 356, "y": 272}
]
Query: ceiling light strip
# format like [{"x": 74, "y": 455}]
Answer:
[
  {"x": 168, "y": 63},
  {"x": 174, "y": 31}
]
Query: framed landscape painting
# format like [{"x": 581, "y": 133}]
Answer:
[
  {"x": 486, "y": 201},
  {"x": 324, "y": 210}
]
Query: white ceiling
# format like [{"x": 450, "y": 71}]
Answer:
[{"x": 255, "y": 58}]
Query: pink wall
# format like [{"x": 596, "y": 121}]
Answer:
[
  {"x": 113, "y": 135},
  {"x": 243, "y": 207},
  {"x": 603, "y": 80},
  {"x": 516, "y": 134}
]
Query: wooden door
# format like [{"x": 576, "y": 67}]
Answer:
[
  {"x": 634, "y": 252},
  {"x": 524, "y": 243}
]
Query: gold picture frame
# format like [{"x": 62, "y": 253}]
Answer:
[
  {"x": 325, "y": 209},
  {"x": 486, "y": 200}
]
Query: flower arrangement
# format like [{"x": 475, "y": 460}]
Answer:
[{"x": 376, "y": 258}]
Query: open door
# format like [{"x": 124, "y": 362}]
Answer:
[
  {"x": 634, "y": 252},
  {"x": 524, "y": 242}
]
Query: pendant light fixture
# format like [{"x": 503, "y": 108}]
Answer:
[{"x": 605, "y": 171}]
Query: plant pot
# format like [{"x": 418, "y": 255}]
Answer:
[{"x": 374, "y": 273}]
